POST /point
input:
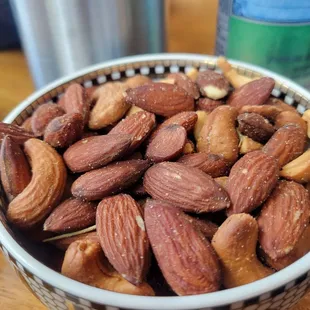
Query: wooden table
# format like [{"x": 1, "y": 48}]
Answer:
[{"x": 16, "y": 85}]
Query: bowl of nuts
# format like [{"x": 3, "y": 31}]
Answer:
[{"x": 168, "y": 181}]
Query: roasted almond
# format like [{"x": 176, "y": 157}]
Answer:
[
  {"x": 184, "y": 255},
  {"x": 112, "y": 179},
  {"x": 160, "y": 98},
  {"x": 253, "y": 93},
  {"x": 168, "y": 144},
  {"x": 89, "y": 153},
  {"x": 255, "y": 127},
  {"x": 14, "y": 167},
  {"x": 139, "y": 125},
  {"x": 212, "y": 84},
  {"x": 286, "y": 144},
  {"x": 75, "y": 100},
  {"x": 207, "y": 228},
  {"x": 265, "y": 110},
  {"x": 138, "y": 190},
  {"x": 18, "y": 134},
  {"x": 64, "y": 130},
  {"x": 288, "y": 117},
  {"x": 283, "y": 219},
  {"x": 71, "y": 215},
  {"x": 45, "y": 189},
  {"x": 186, "y": 187},
  {"x": 122, "y": 235},
  {"x": 184, "y": 119},
  {"x": 250, "y": 181},
  {"x": 219, "y": 136},
  {"x": 110, "y": 106},
  {"x": 211, "y": 164},
  {"x": 183, "y": 81},
  {"x": 43, "y": 115},
  {"x": 27, "y": 125},
  {"x": 207, "y": 104}
]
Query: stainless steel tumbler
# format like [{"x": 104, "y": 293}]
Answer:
[{"x": 62, "y": 36}]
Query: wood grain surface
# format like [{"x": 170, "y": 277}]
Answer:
[{"x": 191, "y": 27}]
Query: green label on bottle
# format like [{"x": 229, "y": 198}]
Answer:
[{"x": 282, "y": 48}]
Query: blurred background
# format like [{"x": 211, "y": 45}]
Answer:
[{"x": 41, "y": 41}]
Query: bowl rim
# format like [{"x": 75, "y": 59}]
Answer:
[{"x": 104, "y": 297}]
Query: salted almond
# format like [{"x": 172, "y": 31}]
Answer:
[
  {"x": 160, "y": 98},
  {"x": 208, "y": 105},
  {"x": 17, "y": 133},
  {"x": 64, "y": 130},
  {"x": 88, "y": 154},
  {"x": 184, "y": 119},
  {"x": 43, "y": 115},
  {"x": 171, "y": 232},
  {"x": 112, "y": 179},
  {"x": 207, "y": 228},
  {"x": 235, "y": 244},
  {"x": 253, "y": 93},
  {"x": 123, "y": 238},
  {"x": 71, "y": 215},
  {"x": 219, "y": 136},
  {"x": 14, "y": 167},
  {"x": 265, "y": 110},
  {"x": 110, "y": 106},
  {"x": 211, "y": 164},
  {"x": 283, "y": 219},
  {"x": 250, "y": 181},
  {"x": 27, "y": 125},
  {"x": 168, "y": 144},
  {"x": 185, "y": 82},
  {"x": 138, "y": 125},
  {"x": 186, "y": 187},
  {"x": 298, "y": 170},
  {"x": 286, "y": 144},
  {"x": 45, "y": 189},
  {"x": 212, "y": 84},
  {"x": 76, "y": 100}
]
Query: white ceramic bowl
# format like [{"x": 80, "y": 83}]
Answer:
[{"x": 278, "y": 291}]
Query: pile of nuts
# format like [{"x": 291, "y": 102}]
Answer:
[{"x": 204, "y": 175}]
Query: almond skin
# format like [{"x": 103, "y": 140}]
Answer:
[
  {"x": 168, "y": 144},
  {"x": 184, "y": 119},
  {"x": 139, "y": 125},
  {"x": 43, "y": 115},
  {"x": 89, "y": 153},
  {"x": 235, "y": 243},
  {"x": 112, "y": 179},
  {"x": 250, "y": 181},
  {"x": 212, "y": 84},
  {"x": 122, "y": 235},
  {"x": 75, "y": 100},
  {"x": 64, "y": 130},
  {"x": 183, "y": 81},
  {"x": 71, "y": 215},
  {"x": 14, "y": 167},
  {"x": 18, "y": 134},
  {"x": 208, "y": 105},
  {"x": 160, "y": 98},
  {"x": 207, "y": 228},
  {"x": 286, "y": 144},
  {"x": 283, "y": 219},
  {"x": 27, "y": 125},
  {"x": 186, "y": 187},
  {"x": 219, "y": 136},
  {"x": 196, "y": 270},
  {"x": 211, "y": 164},
  {"x": 110, "y": 106},
  {"x": 45, "y": 189},
  {"x": 265, "y": 110},
  {"x": 255, "y": 127},
  {"x": 253, "y": 93}
]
